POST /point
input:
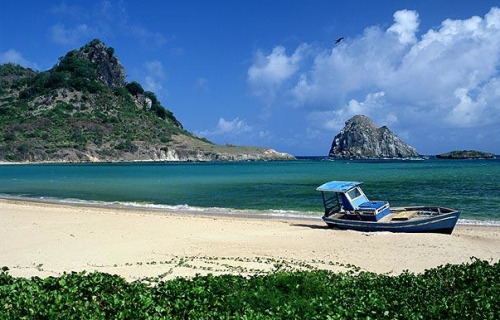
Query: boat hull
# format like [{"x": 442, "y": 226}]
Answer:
[{"x": 442, "y": 223}]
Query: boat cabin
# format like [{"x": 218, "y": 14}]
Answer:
[{"x": 346, "y": 199}]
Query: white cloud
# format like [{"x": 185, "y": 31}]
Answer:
[
  {"x": 203, "y": 84},
  {"x": 66, "y": 9},
  {"x": 481, "y": 107},
  {"x": 354, "y": 67},
  {"x": 228, "y": 127},
  {"x": 466, "y": 111},
  {"x": 154, "y": 76},
  {"x": 155, "y": 69},
  {"x": 75, "y": 35},
  {"x": 268, "y": 72},
  {"x": 146, "y": 36},
  {"x": 446, "y": 78},
  {"x": 104, "y": 18},
  {"x": 14, "y": 56},
  {"x": 275, "y": 67},
  {"x": 11, "y": 56},
  {"x": 372, "y": 106},
  {"x": 405, "y": 26},
  {"x": 263, "y": 134}
]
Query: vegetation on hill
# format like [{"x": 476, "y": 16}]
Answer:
[
  {"x": 467, "y": 291},
  {"x": 68, "y": 107},
  {"x": 83, "y": 110},
  {"x": 466, "y": 154},
  {"x": 10, "y": 72}
]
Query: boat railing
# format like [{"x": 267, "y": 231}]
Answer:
[
  {"x": 332, "y": 204},
  {"x": 333, "y": 209}
]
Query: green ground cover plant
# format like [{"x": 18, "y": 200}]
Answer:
[{"x": 465, "y": 291}]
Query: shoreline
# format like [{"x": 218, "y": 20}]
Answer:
[
  {"x": 205, "y": 211},
  {"x": 47, "y": 239},
  {"x": 138, "y": 161},
  {"x": 420, "y": 158},
  {"x": 161, "y": 209}
]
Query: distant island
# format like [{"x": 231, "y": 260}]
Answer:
[
  {"x": 466, "y": 154},
  {"x": 84, "y": 110},
  {"x": 362, "y": 139}
]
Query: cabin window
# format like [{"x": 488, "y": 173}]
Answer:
[{"x": 354, "y": 193}]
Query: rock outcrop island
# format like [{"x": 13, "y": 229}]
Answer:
[
  {"x": 83, "y": 109},
  {"x": 466, "y": 154},
  {"x": 362, "y": 139}
]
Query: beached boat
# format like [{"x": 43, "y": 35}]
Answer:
[{"x": 347, "y": 207}]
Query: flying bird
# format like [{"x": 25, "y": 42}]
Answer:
[{"x": 339, "y": 40}]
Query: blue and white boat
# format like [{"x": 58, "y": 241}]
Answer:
[{"x": 347, "y": 207}]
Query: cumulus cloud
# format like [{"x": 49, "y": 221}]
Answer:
[
  {"x": 268, "y": 72},
  {"x": 449, "y": 75},
  {"x": 14, "y": 56},
  {"x": 227, "y": 128},
  {"x": 373, "y": 106},
  {"x": 405, "y": 26},
  {"x": 275, "y": 67},
  {"x": 353, "y": 68}
]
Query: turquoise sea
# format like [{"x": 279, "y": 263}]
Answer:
[{"x": 271, "y": 188}]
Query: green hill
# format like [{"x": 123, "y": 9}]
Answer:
[{"x": 84, "y": 110}]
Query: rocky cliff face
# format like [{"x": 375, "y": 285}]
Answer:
[
  {"x": 109, "y": 69},
  {"x": 361, "y": 138},
  {"x": 149, "y": 152}
]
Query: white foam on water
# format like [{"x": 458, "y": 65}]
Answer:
[
  {"x": 470, "y": 222},
  {"x": 185, "y": 208}
]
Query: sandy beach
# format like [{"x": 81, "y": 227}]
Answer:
[{"x": 40, "y": 239}]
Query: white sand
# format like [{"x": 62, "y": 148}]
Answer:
[{"x": 49, "y": 239}]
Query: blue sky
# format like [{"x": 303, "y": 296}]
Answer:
[{"x": 267, "y": 73}]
